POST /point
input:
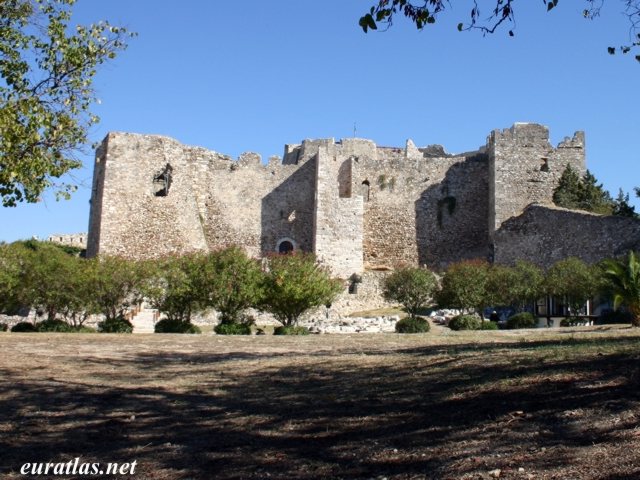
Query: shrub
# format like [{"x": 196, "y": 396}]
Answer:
[
  {"x": 115, "y": 325},
  {"x": 412, "y": 325},
  {"x": 4, "y": 327},
  {"x": 609, "y": 317},
  {"x": 412, "y": 287},
  {"x": 232, "y": 329},
  {"x": 294, "y": 284},
  {"x": 175, "y": 326},
  {"x": 522, "y": 320},
  {"x": 84, "y": 329},
  {"x": 489, "y": 326},
  {"x": 54, "y": 326},
  {"x": 574, "y": 322},
  {"x": 291, "y": 330},
  {"x": 24, "y": 327},
  {"x": 465, "y": 322}
]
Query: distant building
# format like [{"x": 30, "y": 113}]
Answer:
[{"x": 70, "y": 239}]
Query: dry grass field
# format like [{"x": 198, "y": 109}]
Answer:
[{"x": 548, "y": 404}]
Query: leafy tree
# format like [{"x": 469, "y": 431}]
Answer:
[
  {"x": 426, "y": 12},
  {"x": 623, "y": 283},
  {"x": 464, "y": 286},
  {"x": 622, "y": 207},
  {"x": 48, "y": 279},
  {"x": 175, "y": 286},
  {"x": 233, "y": 282},
  {"x": 44, "y": 276},
  {"x": 573, "y": 280},
  {"x": 46, "y": 93},
  {"x": 582, "y": 193},
  {"x": 293, "y": 284},
  {"x": 412, "y": 287},
  {"x": 117, "y": 284},
  {"x": 516, "y": 286},
  {"x": 13, "y": 266}
]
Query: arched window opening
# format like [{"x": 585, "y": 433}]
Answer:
[
  {"x": 285, "y": 245},
  {"x": 364, "y": 190}
]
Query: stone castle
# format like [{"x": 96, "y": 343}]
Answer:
[{"x": 358, "y": 206}]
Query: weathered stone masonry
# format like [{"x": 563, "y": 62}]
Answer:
[{"x": 358, "y": 206}]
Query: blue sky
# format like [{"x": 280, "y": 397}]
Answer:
[{"x": 254, "y": 75}]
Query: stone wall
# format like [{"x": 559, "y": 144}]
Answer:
[
  {"x": 337, "y": 227},
  {"x": 420, "y": 208},
  {"x": 212, "y": 200},
  {"x": 544, "y": 235},
  {"x": 78, "y": 240},
  {"x": 357, "y": 205},
  {"x": 524, "y": 168}
]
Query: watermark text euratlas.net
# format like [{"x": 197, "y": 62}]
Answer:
[{"x": 76, "y": 467}]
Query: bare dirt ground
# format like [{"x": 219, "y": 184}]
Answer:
[{"x": 552, "y": 404}]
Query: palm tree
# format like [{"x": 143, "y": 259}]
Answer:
[{"x": 623, "y": 278}]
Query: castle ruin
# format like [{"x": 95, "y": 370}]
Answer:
[{"x": 358, "y": 206}]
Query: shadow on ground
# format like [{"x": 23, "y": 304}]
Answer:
[{"x": 555, "y": 409}]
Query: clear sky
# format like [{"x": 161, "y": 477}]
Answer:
[{"x": 253, "y": 75}]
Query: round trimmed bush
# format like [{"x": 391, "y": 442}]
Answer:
[
  {"x": 291, "y": 330},
  {"x": 412, "y": 325},
  {"x": 232, "y": 329},
  {"x": 522, "y": 320},
  {"x": 489, "y": 326},
  {"x": 116, "y": 325},
  {"x": 24, "y": 327},
  {"x": 465, "y": 322},
  {"x": 54, "y": 326},
  {"x": 175, "y": 326}
]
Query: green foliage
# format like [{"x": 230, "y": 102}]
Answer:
[
  {"x": 574, "y": 322},
  {"x": 24, "y": 327},
  {"x": 515, "y": 286},
  {"x": 465, "y": 322},
  {"x": 176, "y": 287},
  {"x": 294, "y": 284},
  {"x": 116, "y": 284},
  {"x": 232, "y": 329},
  {"x": 115, "y": 325},
  {"x": 464, "y": 286},
  {"x": 167, "y": 325},
  {"x": 4, "y": 327},
  {"x": 500, "y": 12},
  {"x": 54, "y": 282},
  {"x": 234, "y": 282},
  {"x": 622, "y": 207},
  {"x": 582, "y": 193},
  {"x": 574, "y": 280},
  {"x": 412, "y": 287},
  {"x": 47, "y": 69},
  {"x": 622, "y": 282},
  {"x": 13, "y": 268},
  {"x": 412, "y": 325},
  {"x": 54, "y": 326},
  {"x": 489, "y": 326},
  {"x": 290, "y": 330},
  {"x": 522, "y": 320}
]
